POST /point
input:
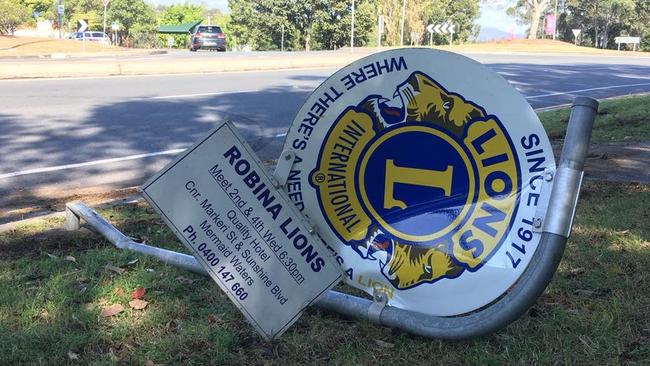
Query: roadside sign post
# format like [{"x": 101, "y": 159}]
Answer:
[
  {"x": 380, "y": 29},
  {"x": 246, "y": 233},
  {"x": 430, "y": 30},
  {"x": 626, "y": 40},
  {"x": 59, "y": 11},
  {"x": 82, "y": 25},
  {"x": 115, "y": 26},
  {"x": 444, "y": 28},
  {"x": 105, "y": 3},
  {"x": 576, "y": 33}
]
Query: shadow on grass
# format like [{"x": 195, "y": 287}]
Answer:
[{"x": 596, "y": 310}]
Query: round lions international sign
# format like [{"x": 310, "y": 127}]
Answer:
[{"x": 422, "y": 170}]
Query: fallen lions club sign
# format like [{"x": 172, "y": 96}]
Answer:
[{"x": 422, "y": 170}]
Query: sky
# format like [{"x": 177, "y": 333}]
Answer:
[{"x": 493, "y": 12}]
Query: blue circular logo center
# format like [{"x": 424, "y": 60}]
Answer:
[{"x": 417, "y": 182}]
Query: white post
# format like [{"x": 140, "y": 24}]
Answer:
[
  {"x": 380, "y": 26},
  {"x": 401, "y": 25},
  {"x": 352, "y": 32},
  {"x": 282, "y": 40},
  {"x": 555, "y": 23}
]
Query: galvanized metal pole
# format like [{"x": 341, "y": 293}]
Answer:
[
  {"x": 555, "y": 23},
  {"x": 58, "y": 10},
  {"x": 515, "y": 302}
]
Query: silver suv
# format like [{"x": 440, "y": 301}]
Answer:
[{"x": 91, "y": 37}]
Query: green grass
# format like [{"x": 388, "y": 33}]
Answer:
[
  {"x": 596, "y": 311},
  {"x": 625, "y": 119}
]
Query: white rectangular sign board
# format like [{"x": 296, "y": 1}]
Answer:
[{"x": 221, "y": 203}]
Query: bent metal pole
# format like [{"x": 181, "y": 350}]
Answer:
[{"x": 555, "y": 231}]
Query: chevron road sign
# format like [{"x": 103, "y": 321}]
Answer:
[{"x": 442, "y": 28}]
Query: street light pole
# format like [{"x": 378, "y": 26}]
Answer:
[
  {"x": 352, "y": 31},
  {"x": 105, "y": 5},
  {"x": 401, "y": 25},
  {"x": 58, "y": 10}
]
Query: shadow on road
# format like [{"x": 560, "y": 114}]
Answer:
[{"x": 127, "y": 128}]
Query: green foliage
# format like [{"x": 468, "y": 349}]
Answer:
[
  {"x": 645, "y": 41},
  {"x": 603, "y": 20},
  {"x": 420, "y": 13},
  {"x": 618, "y": 120},
  {"x": 137, "y": 21},
  {"x": 179, "y": 14},
  {"x": 41, "y": 6},
  {"x": 530, "y": 12},
  {"x": 12, "y": 14},
  {"x": 322, "y": 24},
  {"x": 595, "y": 312}
]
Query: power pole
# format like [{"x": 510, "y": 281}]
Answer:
[
  {"x": 352, "y": 31},
  {"x": 401, "y": 24},
  {"x": 58, "y": 10},
  {"x": 556, "y": 19}
]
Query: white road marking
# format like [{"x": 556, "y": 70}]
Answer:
[
  {"x": 197, "y": 95},
  {"x": 282, "y": 134},
  {"x": 584, "y": 90},
  {"x": 89, "y": 163}
]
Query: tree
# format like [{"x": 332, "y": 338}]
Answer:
[
  {"x": 12, "y": 14},
  {"x": 137, "y": 21},
  {"x": 179, "y": 14},
  {"x": 530, "y": 12},
  {"x": 333, "y": 25},
  {"x": 600, "y": 20}
]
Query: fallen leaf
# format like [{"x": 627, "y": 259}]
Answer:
[
  {"x": 70, "y": 258},
  {"x": 72, "y": 355},
  {"x": 138, "y": 293},
  {"x": 118, "y": 291},
  {"x": 184, "y": 280},
  {"x": 102, "y": 302},
  {"x": 384, "y": 344},
  {"x": 112, "y": 310},
  {"x": 50, "y": 255},
  {"x": 138, "y": 304},
  {"x": 212, "y": 319},
  {"x": 149, "y": 363},
  {"x": 117, "y": 270},
  {"x": 130, "y": 263}
]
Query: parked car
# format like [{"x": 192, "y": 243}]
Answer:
[
  {"x": 208, "y": 37},
  {"x": 91, "y": 37}
]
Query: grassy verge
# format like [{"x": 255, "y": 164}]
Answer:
[
  {"x": 625, "y": 119},
  {"x": 596, "y": 311}
]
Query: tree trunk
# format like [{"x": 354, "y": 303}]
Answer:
[
  {"x": 537, "y": 9},
  {"x": 307, "y": 39}
]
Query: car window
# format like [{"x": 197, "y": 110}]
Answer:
[
  {"x": 98, "y": 35},
  {"x": 209, "y": 29}
]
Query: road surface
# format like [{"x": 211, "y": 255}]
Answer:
[{"x": 61, "y": 135}]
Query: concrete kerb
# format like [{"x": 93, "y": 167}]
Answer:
[{"x": 89, "y": 68}]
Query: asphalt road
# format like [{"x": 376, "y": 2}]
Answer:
[{"x": 58, "y": 136}]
